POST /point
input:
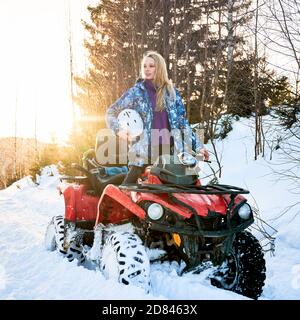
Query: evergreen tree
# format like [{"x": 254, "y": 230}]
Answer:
[{"x": 201, "y": 41}]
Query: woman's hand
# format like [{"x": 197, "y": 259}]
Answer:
[{"x": 204, "y": 153}]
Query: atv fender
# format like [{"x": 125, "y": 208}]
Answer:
[
  {"x": 79, "y": 206},
  {"x": 123, "y": 206}
]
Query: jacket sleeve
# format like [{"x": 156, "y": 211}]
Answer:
[
  {"x": 184, "y": 125},
  {"x": 125, "y": 101}
]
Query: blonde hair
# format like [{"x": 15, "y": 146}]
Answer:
[{"x": 161, "y": 79}]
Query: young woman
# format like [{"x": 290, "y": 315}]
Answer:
[{"x": 163, "y": 114}]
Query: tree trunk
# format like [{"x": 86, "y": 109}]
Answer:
[
  {"x": 203, "y": 98},
  {"x": 15, "y": 142},
  {"x": 255, "y": 90},
  {"x": 143, "y": 28},
  {"x": 133, "y": 37},
  {"x": 166, "y": 32},
  {"x": 230, "y": 46},
  {"x": 187, "y": 58},
  {"x": 71, "y": 61},
  {"x": 174, "y": 66},
  {"x": 215, "y": 84}
]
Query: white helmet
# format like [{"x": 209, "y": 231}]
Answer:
[{"x": 131, "y": 122}]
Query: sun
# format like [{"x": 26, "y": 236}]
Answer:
[
  {"x": 35, "y": 69},
  {"x": 56, "y": 124}
]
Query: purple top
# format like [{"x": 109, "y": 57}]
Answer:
[{"x": 160, "y": 118}]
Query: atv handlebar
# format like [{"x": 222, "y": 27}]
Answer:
[{"x": 190, "y": 160}]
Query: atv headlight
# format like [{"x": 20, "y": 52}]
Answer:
[
  {"x": 245, "y": 211},
  {"x": 155, "y": 211}
]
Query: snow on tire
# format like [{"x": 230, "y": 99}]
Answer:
[
  {"x": 54, "y": 239},
  {"x": 244, "y": 270},
  {"x": 125, "y": 260},
  {"x": 50, "y": 242}
]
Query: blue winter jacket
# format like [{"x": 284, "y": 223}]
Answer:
[{"x": 138, "y": 99}]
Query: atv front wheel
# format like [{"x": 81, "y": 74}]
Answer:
[
  {"x": 125, "y": 260},
  {"x": 244, "y": 269}
]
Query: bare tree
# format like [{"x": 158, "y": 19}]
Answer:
[
  {"x": 281, "y": 35},
  {"x": 175, "y": 36},
  {"x": 187, "y": 56},
  {"x": 285, "y": 143},
  {"x": 258, "y": 117},
  {"x": 230, "y": 46},
  {"x": 214, "y": 114},
  {"x": 14, "y": 177},
  {"x": 205, "y": 66},
  {"x": 166, "y": 30},
  {"x": 71, "y": 62}
]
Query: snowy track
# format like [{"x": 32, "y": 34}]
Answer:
[{"x": 28, "y": 271}]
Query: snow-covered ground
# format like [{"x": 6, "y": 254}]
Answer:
[
  {"x": 28, "y": 271},
  {"x": 271, "y": 195}
]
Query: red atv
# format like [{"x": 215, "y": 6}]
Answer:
[{"x": 167, "y": 215}]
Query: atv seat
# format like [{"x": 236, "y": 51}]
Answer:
[
  {"x": 100, "y": 177},
  {"x": 168, "y": 171},
  {"x": 100, "y": 182}
]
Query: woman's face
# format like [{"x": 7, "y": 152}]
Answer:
[{"x": 149, "y": 68}]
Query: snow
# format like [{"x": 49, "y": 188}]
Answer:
[
  {"x": 28, "y": 271},
  {"x": 271, "y": 196}
]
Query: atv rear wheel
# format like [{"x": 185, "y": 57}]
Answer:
[
  {"x": 49, "y": 240},
  {"x": 54, "y": 239},
  {"x": 244, "y": 269},
  {"x": 125, "y": 260},
  {"x": 54, "y": 236}
]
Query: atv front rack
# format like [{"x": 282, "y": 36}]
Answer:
[{"x": 174, "y": 188}]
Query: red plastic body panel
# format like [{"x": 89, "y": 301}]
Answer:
[
  {"x": 199, "y": 202},
  {"x": 115, "y": 205},
  {"x": 78, "y": 204}
]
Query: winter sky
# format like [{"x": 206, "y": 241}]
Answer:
[{"x": 34, "y": 65}]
